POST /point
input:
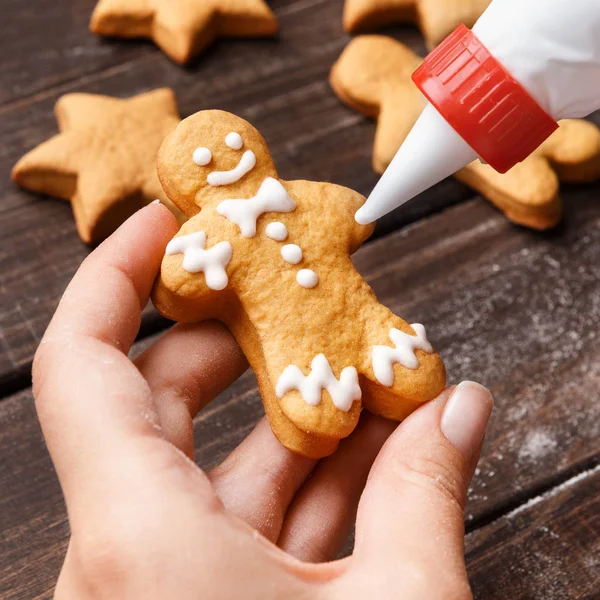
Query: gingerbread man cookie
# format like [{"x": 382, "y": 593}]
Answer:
[
  {"x": 373, "y": 76},
  {"x": 183, "y": 28},
  {"x": 271, "y": 259},
  {"x": 436, "y": 18},
  {"x": 104, "y": 159}
]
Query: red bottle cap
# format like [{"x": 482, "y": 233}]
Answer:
[{"x": 482, "y": 101}]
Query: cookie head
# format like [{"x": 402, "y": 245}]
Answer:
[{"x": 211, "y": 156}]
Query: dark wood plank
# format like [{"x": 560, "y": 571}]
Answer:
[
  {"x": 47, "y": 44},
  {"x": 546, "y": 549},
  {"x": 513, "y": 309},
  {"x": 280, "y": 85}
]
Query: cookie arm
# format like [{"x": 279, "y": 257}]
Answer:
[
  {"x": 193, "y": 284},
  {"x": 333, "y": 207},
  {"x": 336, "y": 195},
  {"x": 177, "y": 305}
]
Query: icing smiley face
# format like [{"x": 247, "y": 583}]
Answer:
[{"x": 203, "y": 156}]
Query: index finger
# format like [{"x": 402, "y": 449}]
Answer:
[
  {"x": 107, "y": 294},
  {"x": 93, "y": 404}
]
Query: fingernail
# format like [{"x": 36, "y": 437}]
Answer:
[
  {"x": 157, "y": 201},
  {"x": 466, "y": 416}
]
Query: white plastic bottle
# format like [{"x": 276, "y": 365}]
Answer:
[{"x": 551, "y": 48}]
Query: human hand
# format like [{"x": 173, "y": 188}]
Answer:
[{"x": 147, "y": 523}]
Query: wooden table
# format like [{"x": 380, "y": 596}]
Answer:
[{"x": 517, "y": 310}]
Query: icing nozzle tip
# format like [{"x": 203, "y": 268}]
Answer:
[
  {"x": 431, "y": 152},
  {"x": 362, "y": 217}
]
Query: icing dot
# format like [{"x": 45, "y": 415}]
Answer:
[
  {"x": 234, "y": 140},
  {"x": 291, "y": 254},
  {"x": 277, "y": 231},
  {"x": 307, "y": 278},
  {"x": 202, "y": 156}
]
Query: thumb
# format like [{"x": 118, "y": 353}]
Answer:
[{"x": 412, "y": 508}]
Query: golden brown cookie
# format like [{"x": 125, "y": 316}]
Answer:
[
  {"x": 271, "y": 259},
  {"x": 436, "y": 18},
  {"x": 373, "y": 76},
  {"x": 104, "y": 159},
  {"x": 183, "y": 28}
]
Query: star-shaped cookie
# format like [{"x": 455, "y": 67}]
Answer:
[
  {"x": 183, "y": 28},
  {"x": 104, "y": 159},
  {"x": 373, "y": 76},
  {"x": 435, "y": 18}
]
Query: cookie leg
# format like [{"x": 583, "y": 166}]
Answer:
[
  {"x": 308, "y": 430},
  {"x": 322, "y": 398},
  {"x": 401, "y": 370},
  {"x": 291, "y": 436}
]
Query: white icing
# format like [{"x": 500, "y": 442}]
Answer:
[
  {"x": 343, "y": 392},
  {"x": 234, "y": 140},
  {"x": 271, "y": 197},
  {"x": 291, "y": 254},
  {"x": 246, "y": 164},
  {"x": 307, "y": 278},
  {"x": 277, "y": 231},
  {"x": 384, "y": 357},
  {"x": 202, "y": 156},
  {"x": 196, "y": 259}
]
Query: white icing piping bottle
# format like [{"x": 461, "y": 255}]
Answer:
[{"x": 495, "y": 93}]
